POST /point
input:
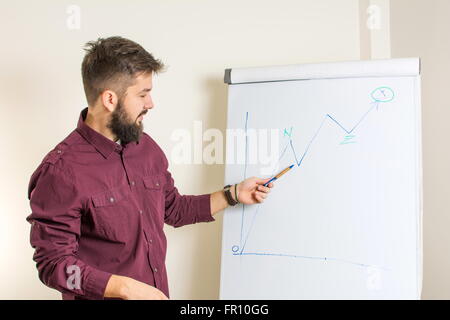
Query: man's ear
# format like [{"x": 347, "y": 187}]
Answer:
[{"x": 109, "y": 100}]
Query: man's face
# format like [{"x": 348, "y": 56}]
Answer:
[{"x": 126, "y": 119}]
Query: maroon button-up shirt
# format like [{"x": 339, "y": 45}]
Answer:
[{"x": 98, "y": 208}]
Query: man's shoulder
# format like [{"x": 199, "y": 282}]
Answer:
[
  {"x": 52, "y": 163},
  {"x": 62, "y": 148},
  {"x": 154, "y": 148},
  {"x": 150, "y": 142},
  {"x": 146, "y": 138}
]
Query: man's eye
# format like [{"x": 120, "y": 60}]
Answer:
[{"x": 142, "y": 96}]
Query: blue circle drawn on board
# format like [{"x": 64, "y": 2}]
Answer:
[
  {"x": 383, "y": 94},
  {"x": 235, "y": 249}
]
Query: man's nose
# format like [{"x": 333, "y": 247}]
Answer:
[{"x": 149, "y": 104}]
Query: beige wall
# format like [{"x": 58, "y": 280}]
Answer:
[
  {"x": 421, "y": 28},
  {"x": 41, "y": 97},
  {"x": 375, "y": 28}
]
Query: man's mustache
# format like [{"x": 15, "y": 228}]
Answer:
[{"x": 143, "y": 113}]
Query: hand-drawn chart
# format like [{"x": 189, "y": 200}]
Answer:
[
  {"x": 345, "y": 222},
  {"x": 379, "y": 95}
]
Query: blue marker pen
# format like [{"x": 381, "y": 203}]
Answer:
[{"x": 279, "y": 175}]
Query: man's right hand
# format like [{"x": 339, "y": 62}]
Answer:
[{"x": 129, "y": 289}]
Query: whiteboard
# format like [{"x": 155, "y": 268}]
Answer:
[{"x": 346, "y": 221}]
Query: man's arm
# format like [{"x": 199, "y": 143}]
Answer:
[
  {"x": 249, "y": 191},
  {"x": 55, "y": 230}
]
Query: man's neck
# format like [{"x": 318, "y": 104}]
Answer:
[{"x": 99, "y": 123}]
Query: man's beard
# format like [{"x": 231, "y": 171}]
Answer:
[{"x": 123, "y": 127}]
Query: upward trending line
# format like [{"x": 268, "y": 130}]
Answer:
[
  {"x": 328, "y": 116},
  {"x": 375, "y": 105}
]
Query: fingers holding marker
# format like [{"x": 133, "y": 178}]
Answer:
[
  {"x": 259, "y": 198},
  {"x": 261, "y": 195},
  {"x": 263, "y": 188}
]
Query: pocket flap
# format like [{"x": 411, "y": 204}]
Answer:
[
  {"x": 154, "y": 181},
  {"x": 109, "y": 197}
]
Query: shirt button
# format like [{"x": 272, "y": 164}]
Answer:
[
  {"x": 156, "y": 270},
  {"x": 140, "y": 211},
  {"x": 59, "y": 151},
  {"x": 132, "y": 183},
  {"x": 150, "y": 241},
  {"x": 111, "y": 199},
  {"x": 157, "y": 184}
]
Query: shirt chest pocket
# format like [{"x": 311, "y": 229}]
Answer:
[
  {"x": 109, "y": 198},
  {"x": 154, "y": 195},
  {"x": 111, "y": 213},
  {"x": 154, "y": 182}
]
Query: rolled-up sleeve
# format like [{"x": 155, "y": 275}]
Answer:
[
  {"x": 181, "y": 210},
  {"x": 55, "y": 230}
]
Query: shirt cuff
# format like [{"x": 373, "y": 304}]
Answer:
[
  {"x": 204, "y": 209},
  {"x": 96, "y": 284}
]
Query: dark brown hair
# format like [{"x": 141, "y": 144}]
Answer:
[{"x": 114, "y": 63}]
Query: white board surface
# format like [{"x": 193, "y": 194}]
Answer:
[{"x": 346, "y": 221}]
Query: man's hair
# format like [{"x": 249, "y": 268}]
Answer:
[{"x": 113, "y": 64}]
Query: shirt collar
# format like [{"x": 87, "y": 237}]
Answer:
[{"x": 101, "y": 143}]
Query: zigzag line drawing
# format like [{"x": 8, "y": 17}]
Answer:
[{"x": 379, "y": 95}]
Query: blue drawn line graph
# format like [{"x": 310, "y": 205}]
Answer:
[{"x": 379, "y": 95}]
